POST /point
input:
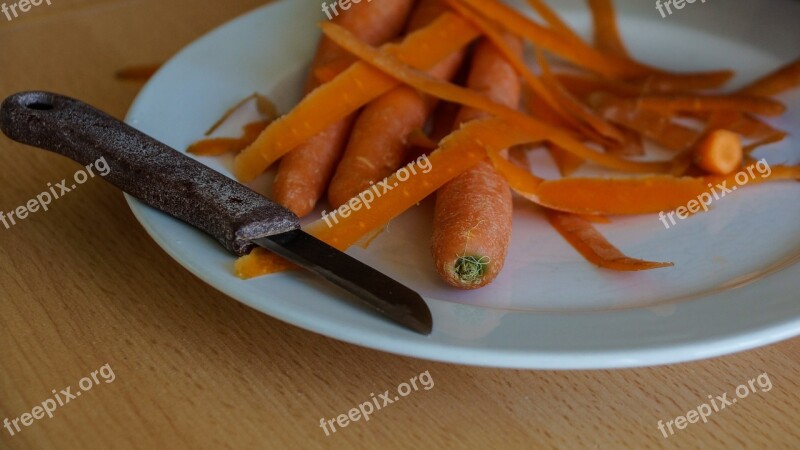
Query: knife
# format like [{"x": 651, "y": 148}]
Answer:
[{"x": 166, "y": 179}]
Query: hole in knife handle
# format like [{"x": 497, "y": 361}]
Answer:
[
  {"x": 39, "y": 101},
  {"x": 40, "y": 106}
]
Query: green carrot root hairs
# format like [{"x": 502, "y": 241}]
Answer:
[{"x": 471, "y": 269}]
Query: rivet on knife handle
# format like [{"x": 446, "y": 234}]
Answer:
[{"x": 145, "y": 168}]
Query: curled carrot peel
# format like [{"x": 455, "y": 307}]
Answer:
[
  {"x": 418, "y": 138},
  {"x": 583, "y": 86},
  {"x": 494, "y": 35},
  {"x": 606, "y": 33},
  {"x": 662, "y": 81},
  {"x": 596, "y": 249},
  {"x": 779, "y": 81},
  {"x": 566, "y": 162},
  {"x": 356, "y": 86},
  {"x": 632, "y": 145},
  {"x": 745, "y": 125},
  {"x": 264, "y": 106},
  {"x": 457, "y": 153},
  {"x": 702, "y": 103},
  {"x": 450, "y": 92},
  {"x": 578, "y": 109},
  {"x": 753, "y": 146},
  {"x": 553, "y": 20},
  {"x": 652, "y": 124},
  {"x": 260, "y": 262},
  {"x": 622, "y": 196},
  {"x": 583, "y": 55},
  {"x": 220, "y": 146},
  {"x": 600, "y": 196},
  {"x": 575, "y": 52}
]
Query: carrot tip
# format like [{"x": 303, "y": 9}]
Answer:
[{"x": 471, "y": 269}]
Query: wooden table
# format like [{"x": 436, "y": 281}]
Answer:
[{"x": 82, "y": 286}]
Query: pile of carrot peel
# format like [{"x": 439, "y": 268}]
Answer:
[{"x": 587, "y": 103}]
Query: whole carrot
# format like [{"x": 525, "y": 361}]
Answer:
[
  {"x": 304, "y": 173},
  {"x": 473, "y": 214},
  {"x": 377, "y": 145}
]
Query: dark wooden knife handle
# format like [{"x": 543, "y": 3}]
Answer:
[{"x": 146, "y": 168}]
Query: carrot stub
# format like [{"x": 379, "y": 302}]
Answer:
[{"x": 720, "y": 152}]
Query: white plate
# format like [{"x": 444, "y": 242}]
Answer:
[{"x": 734, "y": 286}]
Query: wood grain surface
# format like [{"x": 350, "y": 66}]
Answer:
[{"x": 82, "y": 286}]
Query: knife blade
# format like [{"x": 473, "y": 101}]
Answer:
[{"x": 186, "y": 189}]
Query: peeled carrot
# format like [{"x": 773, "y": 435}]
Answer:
[
  {"x": 349, "y": 91},
  {"x": 783, "y": 79},
  {"x": 720, "y": 152},
  {"x": 594, "y": 247},
  {"x": 472, "y": 228},
  {"x": 473, "y": 215},
  {"x": 303, "y": 175},
  {"x": 378, "y": 144},
  {"x": 374, "y": 25},
  {"x": 606, "y": 33},
  {"x": 447, "y": 91}
]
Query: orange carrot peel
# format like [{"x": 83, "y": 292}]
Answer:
[
  {"x": 220, "y": 146},
  {"x": 584, "y": 55},
  {"x": 606, "y": 33},
  {"x": 777, "y": 82},
  {"x": 594, "y": 247},
  {"x": 450, "y": 92},
  {"x": 701, "y": 103}
]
